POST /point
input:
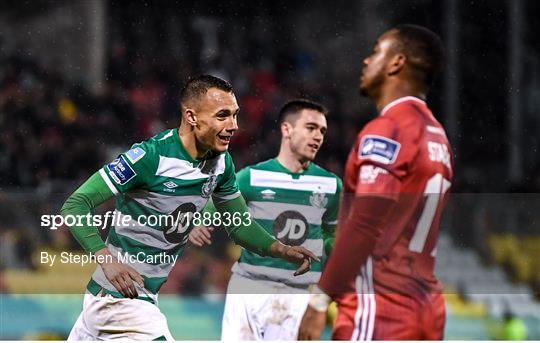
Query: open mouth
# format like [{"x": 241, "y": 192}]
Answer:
[
  {"x": 314, "y": 146},
  {"x": 224, "y": 139}
]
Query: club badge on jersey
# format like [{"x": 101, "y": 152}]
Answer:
[
  {"x": 379, "y": 149},
  {"x": 318, "y": 199},
  {"x": 120, "y": 171},
  {"x": 209, "y": 186}
]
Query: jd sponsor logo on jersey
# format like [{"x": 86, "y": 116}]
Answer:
[
  {"x": 379, "y": 149},
  {"x": 291, "y": 228},
  {"x": 170, "y": 186},
  {"x": 120, "y": 171},
  {"x": 209, "y": 186},
  {"x": 177, "y": 231},
  {"x": 268, "y": 194},
  {"x": 318, "y": 199},
  {"x": 135, "y": 154}
]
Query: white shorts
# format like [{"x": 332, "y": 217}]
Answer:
[
  {"x": 106, "y": 318},
  {"x": 272, "y": 311}
]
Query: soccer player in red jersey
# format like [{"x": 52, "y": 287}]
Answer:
[{"x": 397, "y": 177}]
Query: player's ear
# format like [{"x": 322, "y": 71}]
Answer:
[
  {"x": 397, "y": 62},
  {"x": 286, "y": 129},
  {"x": 190, "y": 116}
]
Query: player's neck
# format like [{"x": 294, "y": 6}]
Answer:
[
  {"x": 189, "y": 141},
  {"x": 291, "y": 163},
  {"x": 394, "y": 92}
]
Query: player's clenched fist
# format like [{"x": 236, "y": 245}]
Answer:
[
  {"x": 120, "y": 275},
  {"x": 294, "y": 254},
  {"x": 201, "y": 235}
]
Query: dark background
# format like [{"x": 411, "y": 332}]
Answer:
[{"x": 80, "y": 82}]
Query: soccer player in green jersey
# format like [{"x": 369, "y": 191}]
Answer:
[
  {"x": 171, "y": 175},
  {"x": 296, "y": 201}
]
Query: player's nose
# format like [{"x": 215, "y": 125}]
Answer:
[{"x": 232, "y": 125}]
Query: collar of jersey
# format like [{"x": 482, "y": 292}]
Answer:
[
  {"x": 399, "y": 101},
  {"x": 294, "y": 175}
]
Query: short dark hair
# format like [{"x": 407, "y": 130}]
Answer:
[
  {"x": 424, "y": 51},
  {"x": 294, "y": 106},
  {"x": 198, "y": 86}
]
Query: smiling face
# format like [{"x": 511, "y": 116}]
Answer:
[
  {"x": 376, "y": 65},
  {"x": 305, "y": 133},
  {"x": 216, "y": 120}
]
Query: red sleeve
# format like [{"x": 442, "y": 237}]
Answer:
[
  {"x": 354, "y": 243},
  {"x": 385, "y": 153}
]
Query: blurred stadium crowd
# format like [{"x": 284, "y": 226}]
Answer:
[{"x": 55, "y": 131}]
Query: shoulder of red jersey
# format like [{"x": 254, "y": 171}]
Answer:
[
  {"x": 383, "y": 137},
  {"x": 377, "y": 141}
]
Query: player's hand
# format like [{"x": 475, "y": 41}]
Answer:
[
  {"x": 120, "y": 275},
  {"x": 297, "y": 255},
  {"x": 312, "y": 325},
  {"x": 201, "y": 235}
]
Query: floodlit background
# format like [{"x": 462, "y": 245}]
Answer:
[{"x": 80, "y": 81}]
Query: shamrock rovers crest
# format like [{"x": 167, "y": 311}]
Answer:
[
  {"x": 318, "y": 199},
  {"x": 209, "y": 186}
]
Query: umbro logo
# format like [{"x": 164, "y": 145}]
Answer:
[
  {"x": 268, "y": 194},
  {"x": 170, "y": 185}
]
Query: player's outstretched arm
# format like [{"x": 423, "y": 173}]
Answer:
[
  {"x": 253, "y": 237},
  {"x": 89, "y": 195}
]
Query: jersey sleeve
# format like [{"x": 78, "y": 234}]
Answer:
[
  {"x": 227, "y": 187},
  {"x": 243, "y": 180},
  {"x": 329, "y": 219},
  {"x": 130, "y": 169},
  {"x": 92, "y": 193},
  {"x": 385, "y": 152}
]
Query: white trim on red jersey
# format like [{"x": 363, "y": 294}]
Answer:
[
  {"x": 399, "y": 101},
  {"x": 364, "y": 318}
]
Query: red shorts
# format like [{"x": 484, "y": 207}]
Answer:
[{"x": 389, "y": 316}]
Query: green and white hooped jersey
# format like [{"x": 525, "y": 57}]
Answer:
[
  {"x": 154, "y": 178},
  {"x": 293, "y": 207}
]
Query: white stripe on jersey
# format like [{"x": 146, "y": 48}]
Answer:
[
  {"x": 271, "y": 179},
  {"x": 165, "y": 203},
  {"x": 359, "y": 283},
  {"x": 364, "y": 318},
  {"x": 373, "y": 305},
  {"x": 271, "y": 210},
  {"x": 436, "y": 130},
  {"x": 399, "y": 101},
  {"x": 141, "y": 233},
  {"x": 107, "y": 181},
  {"x": 184, "y": 170},
  {"x": 167, "y": 135},
  {"x": 217, "y": 197}
]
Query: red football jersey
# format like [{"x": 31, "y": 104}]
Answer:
[{"x": 403, "y": 154}]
